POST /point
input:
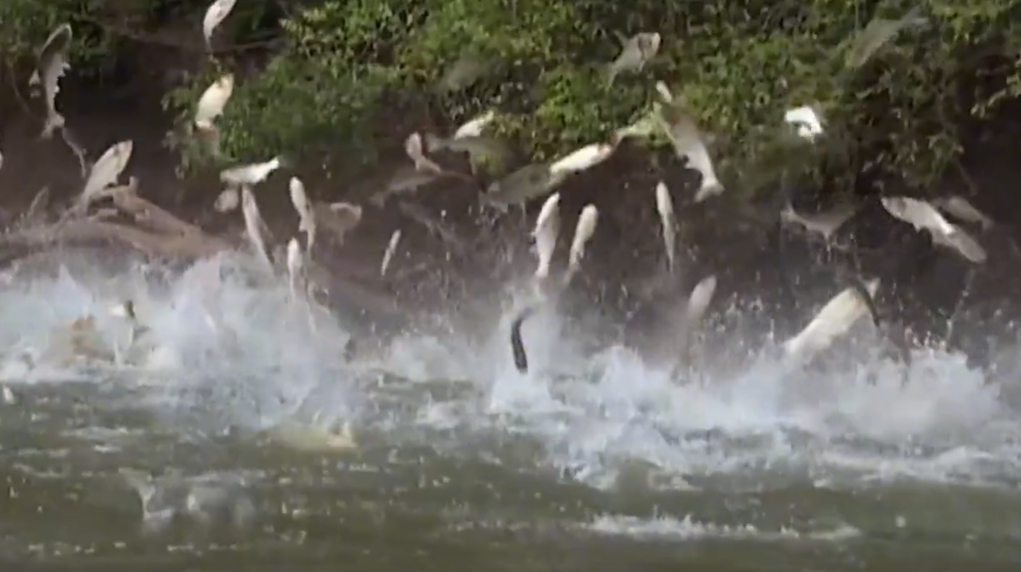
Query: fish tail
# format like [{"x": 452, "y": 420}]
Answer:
[
  {"x": 53, "y": 122},
  {"x": 710, "y": 187}
]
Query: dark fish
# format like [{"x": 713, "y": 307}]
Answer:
[{"x": 517, "y": 345}]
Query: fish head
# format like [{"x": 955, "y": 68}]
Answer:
[
  {"x": 897, "y": 206},
  {"x": 648, "y": 43}
]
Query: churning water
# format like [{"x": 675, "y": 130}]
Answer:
[{"x": 592, "y": 461}]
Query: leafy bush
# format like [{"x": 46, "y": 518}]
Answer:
[{"x": 737, "y": 64}]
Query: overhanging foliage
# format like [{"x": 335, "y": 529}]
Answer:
[{"x": 737, "y": 64}]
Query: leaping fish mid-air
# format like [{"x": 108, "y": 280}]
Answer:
[
  {"x": 215, "y": 15},
  {"x": 307, "y": 220},
  {"x": 547, "y": 228},
  {"x": 52, "y": 65},
  {"x": 924, "y": 216},
  {"x": 665, "y": 207},
  {"x": 255, "y": 226},
  {"x": 832, "y": 321}
]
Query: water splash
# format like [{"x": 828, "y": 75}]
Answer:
[{"x": 233, "y": 350}]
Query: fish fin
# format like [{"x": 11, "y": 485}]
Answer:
[
  {"x": 53, "y": 122},
  {"x": 861, "y": 290}
]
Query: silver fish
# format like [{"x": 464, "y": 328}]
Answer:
[
  {"x": 391, "y": 248},
  {"x": 253, "y": 174},
  {"x": 687, "y": 140},
  {"x": 529, "y": 182},
  {"x": 878, "y": 32},
  {"x": 227, "y": 201},
  {"x": 699, "y": 299},
  {"x": 213, "y": 101},
  {"x": 583, "y": 232},
  {"x": 295, "y": 267},
  {"x": 413, "y": 147},
  {"x": 961, "y": 208},
  {"x": 824, "y": 223},
  {"x": 582, "y": 159},
  {"x": 409, "y": 179},
  {"x": 547, "y": 229},
  {"x": 338, "y": 218},
  {"x": 665, "y": 207},
  {"x": 832, "y": 321},
  {"x": 807, "y": 121},
  {"x": 924, "y": 216},
  {"x": 474, "y": 127},
  {"x": 53, "y": 64},
  {"x": 307, "y": 222},
  {"x": 105, "y": 172},
  {"x": 255, "y": 227},
  {"x": 476, "y": 146},
  {"x": 636, "y": 51},
  {"x": 215, "y": 15}
]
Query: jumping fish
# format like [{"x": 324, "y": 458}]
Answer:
[
  {"x": 832, "y": 321},
  {"x": 688, "y": 142},
  {"x": 583, "y": 159},
  {"x": 391, "y": 248},
  {"x": 961, "y": 208},
  {"x": 255, "y": 226},
  {"x": 105, "y": 172},
  {"x": 582, "y": 234},
  {"x": 414, "y": 148},
  {"x": 806, "y": 120},
  {"x": 878, "y": 32},
  {"x": 295, "y": 267},
  {"x": 924, "y": 216},
  {"x": 636, "y": 51},
  {"x": 521, "y": 186},
  {"x": 547, "y": 229},
  {"x": 474, "y": 127},
  {"x": 52, "y": 66},
  {"x": 213, "y": 101},
  {"x": 665, "y": 207},
  {"x": 307, "y": 222},
  {"x": 253, "y": 174},
  {"x": 215, "y": 15}
]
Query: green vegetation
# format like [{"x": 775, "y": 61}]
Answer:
[{"x": 737, "y": 65}]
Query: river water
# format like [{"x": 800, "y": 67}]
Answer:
[{"x": 590, "y": 462}]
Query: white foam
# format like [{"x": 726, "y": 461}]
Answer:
[{"x": 243, "y": 352}]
